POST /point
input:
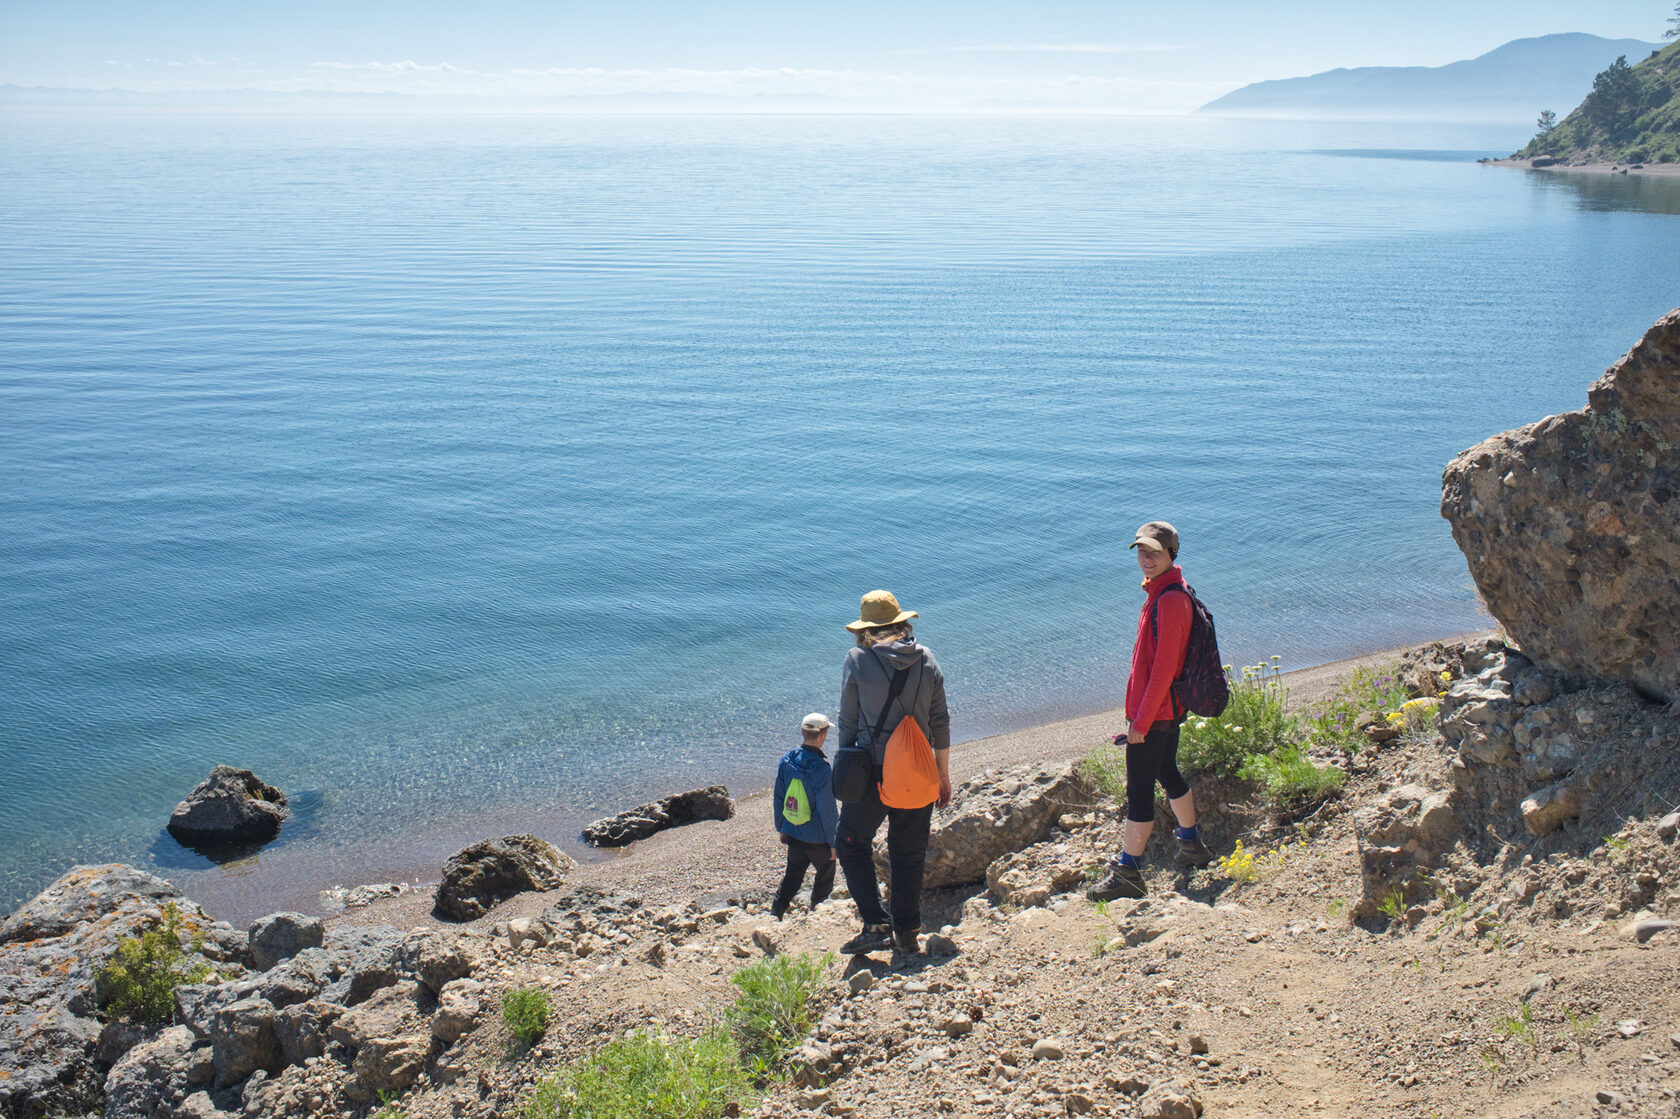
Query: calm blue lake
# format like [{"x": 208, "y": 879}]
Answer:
[{"x": 473, "y": 475}]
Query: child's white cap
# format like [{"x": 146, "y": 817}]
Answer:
[{"x": 816, "y": 720}]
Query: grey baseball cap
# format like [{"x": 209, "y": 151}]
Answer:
[{"x": 1159, "y": 535}]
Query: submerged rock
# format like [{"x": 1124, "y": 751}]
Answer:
[
  {"x": 1571, "y": 525},
  {"x": 229, "y": 807},
  {"x": 711, "y": 803},
  {"x": 493, "y": 870}
]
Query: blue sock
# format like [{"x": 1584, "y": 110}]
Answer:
[
  {"x": 1188, "y": 834},
  {"x": 1128, "y": 859}
]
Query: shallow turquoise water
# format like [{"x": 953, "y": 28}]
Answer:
[{"x": 472, "y": 475}]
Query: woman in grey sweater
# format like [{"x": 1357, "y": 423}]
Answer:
[{"x": 886, "y": 647}]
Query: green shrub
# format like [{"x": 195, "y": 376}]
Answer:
[
  {"x": 525, "y": 1010},
  {"x": 1376, "y": 690},
  {"x": 649, "y": 1076},
  {"x": 141, "y": 978},
  {"x": 1105, "y": 769},
  {"x": 773, "y": 1011},
  {"x": 1290, "y": 778},
  {"x": 1254, "y": 723}
]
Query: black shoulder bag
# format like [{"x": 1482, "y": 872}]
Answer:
[{"x": 854, "y": 767}]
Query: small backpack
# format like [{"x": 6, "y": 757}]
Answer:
[
  {"x": 796, "y": 805},
  {"x": 1200, "y": 686}
]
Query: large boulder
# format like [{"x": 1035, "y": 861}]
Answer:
[
  {"x": 50, "y": 951},
  {"x": 493, "y": 870},
  {"x": 149, "y": 1077},
  {"x": 390, "y": 1037},
  {"x": 280, "y": 936},
  {"x": 229, "y": 807},
  {"x": 1571, "y": 525},
  {"x": 710, "y": 803},
  {"x": 992, "y": 815}
]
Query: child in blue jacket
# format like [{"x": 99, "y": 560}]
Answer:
[{"x": 805, "y": 815}]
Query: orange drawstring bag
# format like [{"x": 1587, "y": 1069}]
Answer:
[{"x": 909, "y": 773}]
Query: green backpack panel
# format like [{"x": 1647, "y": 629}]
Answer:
[{"x": 796, "y": 806}]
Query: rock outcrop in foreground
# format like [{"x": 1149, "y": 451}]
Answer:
[
  {"x": 1571, "y": 526},
  {"x": 54, "y": 1047}
]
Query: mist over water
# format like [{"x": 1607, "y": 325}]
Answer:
[{"x": 465, "y": 476}]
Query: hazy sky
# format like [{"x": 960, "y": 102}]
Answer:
[{"x": 1105, "y": 54}]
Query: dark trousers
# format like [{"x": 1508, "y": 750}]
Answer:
[
  {"x": 800, "y": 856},
  {"x": 907, "y": 845},
  {"x": 1154, "y": 759}
]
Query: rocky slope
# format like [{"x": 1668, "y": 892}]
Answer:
[{"x": 1518, "y": 974}]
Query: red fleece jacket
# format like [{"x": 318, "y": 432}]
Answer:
[{"x": 1155, "y": 664}]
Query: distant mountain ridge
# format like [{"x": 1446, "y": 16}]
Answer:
[{"x": 1514, "y": 81}]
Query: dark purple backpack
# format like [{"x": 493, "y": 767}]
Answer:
[{"x": 1200, "y": 687}]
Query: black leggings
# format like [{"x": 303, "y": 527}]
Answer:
[{"x": 1154, "y": 759}]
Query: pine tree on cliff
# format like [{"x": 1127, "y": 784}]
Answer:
[
  {"x": 1673, "y": 31},
  {"x": 1613, "y": 102}
]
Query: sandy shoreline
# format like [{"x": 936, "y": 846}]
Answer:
[
  {"x": 716, "y": 860},
  {"x": 1654, "y": 170}
]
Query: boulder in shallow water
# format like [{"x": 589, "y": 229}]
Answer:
[
  {"x": 493, "y": 870},
  {"x": 710, "y": 803},
  {"x": 229, "y": 807},
  {"x": 1571, "y": 525}
]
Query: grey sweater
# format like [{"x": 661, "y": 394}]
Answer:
[{"x": 865, "y": 680}]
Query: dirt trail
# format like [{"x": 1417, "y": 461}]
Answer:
[{"x": 1256, "y": 998}]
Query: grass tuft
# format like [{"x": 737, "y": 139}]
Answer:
[
  {"x": 772, "y": 1013},
  {"x": 1105, "y": 769},
  {"x": 649, "y": 1075},
  {"x": 526, "y": 1012},
  {"x": 1290, "y": 779}
]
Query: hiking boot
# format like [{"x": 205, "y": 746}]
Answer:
[
  {"x": 873, "y": 938},
  {"x": 1120, "y": 882},
  {"x": 905, "y": 942},
  {"x": 1192, "y": 853}
]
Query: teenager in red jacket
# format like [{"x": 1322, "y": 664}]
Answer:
[{"x": 1153, "y": 717}]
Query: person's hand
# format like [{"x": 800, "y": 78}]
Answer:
[
  {"x": 1133, "y": 736},
  {"x": 944, "y": 790},
  {"x": 782, "y": 835}
]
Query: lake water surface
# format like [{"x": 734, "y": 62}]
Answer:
[{"x": 473, "y": 475}]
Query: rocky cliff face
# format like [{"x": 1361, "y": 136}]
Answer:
[{"x": 1571, "y": 525}]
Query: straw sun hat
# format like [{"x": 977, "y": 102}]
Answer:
[{"x": 879, "y": 608}]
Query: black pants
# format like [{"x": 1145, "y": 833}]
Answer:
[
  {"x": 800, "y": 856},
  {"x": 1154, "y": 759},
  {"x": 907, "y": 845}
]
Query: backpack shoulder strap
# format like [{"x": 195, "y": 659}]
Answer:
[
  {"x": 1155, "y": 608},
  {"x": 893, "y": 692}
]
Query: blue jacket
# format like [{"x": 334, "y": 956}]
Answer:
[{"x": 811, "y": 767}]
